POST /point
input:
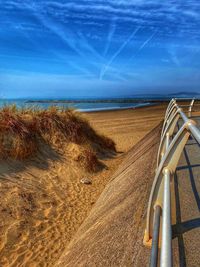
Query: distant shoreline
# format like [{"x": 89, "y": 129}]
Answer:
[
  {"x": 83, "y": 106},
  {"x": 142, "y": 105},
  {"x": 134, "y": 104},
  {"x": 91, "y": 101},
  {"x": 137, "y": 104}
]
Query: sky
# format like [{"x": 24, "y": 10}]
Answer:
[{"x": 98, "y": 48}]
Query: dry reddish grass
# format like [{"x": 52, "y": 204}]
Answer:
[
  {"x": 22, "y": 131},
  {"x": 88, "y": 160}
]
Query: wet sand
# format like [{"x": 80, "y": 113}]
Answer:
[{"x": 43, "y": 203}]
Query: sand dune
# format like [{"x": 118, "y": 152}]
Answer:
[{"x": 43, "y": 202}]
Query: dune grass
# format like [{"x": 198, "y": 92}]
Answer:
[{"x": 22, "y": 132}]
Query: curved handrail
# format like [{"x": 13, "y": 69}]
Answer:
[{"x": 169, "y": 152}]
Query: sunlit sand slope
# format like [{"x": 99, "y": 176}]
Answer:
[{"x": 113, "y": 232}]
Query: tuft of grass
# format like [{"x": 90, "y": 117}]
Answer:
[
  {"x": 17, "y": 138},
  {"x": 23, "y": 130},
  {"x": 88, "y": 160}
]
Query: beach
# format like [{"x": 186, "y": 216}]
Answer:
[
  {"x": 129, "y": 126},
  {"x": 43, "y": 201}
]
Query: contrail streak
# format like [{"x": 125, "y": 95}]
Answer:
[
  {"x": 112, "y": 70},
  {"x": 88, "y": 47},
  {"x": 110, "y": 35},
  {"x": 57, "y": 31},
  {"x": 53, "y": 27},
  {"x": 147, "y": 41},
  {"x": 79, "y": 68},
  {"x": 103, "y": 71},
  {"x": 173, "y": 56},
  {"x": 144, "y": 44}
]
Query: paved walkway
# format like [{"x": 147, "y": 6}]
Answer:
[{"x": 186, "y": 232}]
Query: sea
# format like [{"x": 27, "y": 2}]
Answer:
[{"x": 80, "y": 106}]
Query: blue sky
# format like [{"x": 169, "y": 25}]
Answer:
[{"x": 98, "y": 48}]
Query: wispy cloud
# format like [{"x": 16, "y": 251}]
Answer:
[
  {"x": 144, "y": 13},
  {"x": 172, "y": 18},
  {"x": 95, "y": 39}
]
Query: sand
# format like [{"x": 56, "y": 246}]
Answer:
[
  {"x": 112, "y": 234},
  {"x": 43, "y": 203}
]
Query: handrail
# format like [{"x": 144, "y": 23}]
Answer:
[{"x": 159, "y": 206}]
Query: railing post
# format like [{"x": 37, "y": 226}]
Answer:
[
  {"x": 190, "y": 108},
  {"x": 166, "y": 244},
  {"x": 170, "y": 114},
  {"x": 155, "y": 238},
  {"x": 171, "y": 103},
  {"x": 167, "y": 141},
  {"x": 169, "y": 130}
]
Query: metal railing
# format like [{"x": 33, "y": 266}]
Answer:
[{"x": 158, "y": 232}]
